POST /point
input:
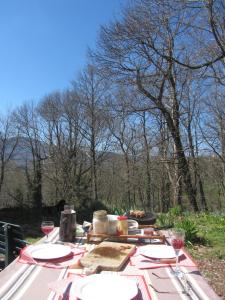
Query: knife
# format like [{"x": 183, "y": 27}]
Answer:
[{"x": 161, "y": 260}]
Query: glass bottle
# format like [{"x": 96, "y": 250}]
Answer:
[
  {"x": 67, "y": 230},
  {"x": 100, "y": 222}
]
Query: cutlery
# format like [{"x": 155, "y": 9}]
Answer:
[{"x": 160, "y": 261}]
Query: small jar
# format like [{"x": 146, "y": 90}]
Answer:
[
  {"x": 100, "y": 222},
  {"x": 122, "y": 225}
]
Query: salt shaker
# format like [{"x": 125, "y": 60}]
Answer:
[{"x": 67, "y": 230}]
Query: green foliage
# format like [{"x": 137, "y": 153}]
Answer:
[
  {"x": 164, "y": 220},
  {"x": 191, "y": 230},
  {"x": 209, "y": 236},
  {"x": 212, "y": 226},
  {"x": 212, "y": 218},
  {"x": 167, "y": 220},
  {"x": 32, "y": 240},
  {"x": 119, "y": 211},
  {"x": 175, "y": 211}
]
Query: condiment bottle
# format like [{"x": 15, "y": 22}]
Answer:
[
  {"x": 67, "y": 230},
  {"x": 122, "y": 225},
  {"x": 100, "y": 222}
]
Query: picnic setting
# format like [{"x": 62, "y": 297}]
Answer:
[
  {"x": 112, "y": 150},
  {"x": 112, "y": 257}
]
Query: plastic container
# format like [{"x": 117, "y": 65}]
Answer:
[{"x": 122, "y": 225}]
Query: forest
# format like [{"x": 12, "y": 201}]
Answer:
[{"x": 141, "y": 126}]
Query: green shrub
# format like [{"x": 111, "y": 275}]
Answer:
[
  {"x": 165, "y": 220},
  {"x": 175, "y": 211},
  {"x": 191, "y": 230},
  {"x": 119, "y": 211}
]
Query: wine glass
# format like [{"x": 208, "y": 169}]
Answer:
[
  {"x": 178, "y": 235},
  {"x": 46, "y": 228}
]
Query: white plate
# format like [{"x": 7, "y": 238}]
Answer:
[
  {"x": 104, "y": 286},
  {"x": 48, "y": 251},
  {"x": 158, "y": 251}
]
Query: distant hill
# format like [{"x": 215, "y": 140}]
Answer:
[{"x": 22, "y": 152}]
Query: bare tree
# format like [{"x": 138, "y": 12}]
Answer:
[
  {"x": 8, "y": 143},
  {"x": 200, "y": 28},
  {"x": 27, "y": 121},
  {"x": 147, "y": 148},
  {"x": 168, "y": 182},
  {"x": 192, "y": 93},
  {"x": 213, "y": 128},
  {"x": 127, "y": 51},
  {"x": 66, "y": 165},
  {"x": 93, "y": 91},
  {"x": 124, "y": 137}
]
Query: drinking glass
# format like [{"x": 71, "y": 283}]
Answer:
[
  {"x": 178, "y": 235},
  {"x": 150, "y": 232},
  {"x": 46, "y": 228}
]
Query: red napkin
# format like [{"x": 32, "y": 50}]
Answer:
[
  {"x": 60, "y": 287},
  {"x": 58, "y": 263},
  {"x": 143, "y": 262}
]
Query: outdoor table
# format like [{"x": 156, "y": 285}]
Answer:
[{"x": 31, "y": 282}]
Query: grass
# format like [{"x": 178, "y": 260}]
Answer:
[
  {"x": 32, "y": 240},
  {"x": 205, "y": 232},
  {"x": 211, "y": 229}
]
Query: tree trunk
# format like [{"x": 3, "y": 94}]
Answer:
[
  {"x": 93, "y": 149},
  {"x": 37, "y": 187},
  {"x": 184, "y": 169},
  {"x": 197, "y": 175},
  {"x": 128, "y": 185},
  {"x": 147, "y": 167},
  {"x": 175, "y": 132}
]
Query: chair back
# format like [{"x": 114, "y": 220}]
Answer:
[{"x": 11, "y": 241}]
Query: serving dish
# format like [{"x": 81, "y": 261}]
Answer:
[{"x": 148, "y": 219}]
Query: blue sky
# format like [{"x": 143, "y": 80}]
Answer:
[{"x": 43, "y": 44}]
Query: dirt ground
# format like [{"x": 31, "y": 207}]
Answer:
[{"x": 214, "y": 271}]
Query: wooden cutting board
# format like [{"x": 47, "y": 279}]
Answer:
[{"x": 108, "y": 256}]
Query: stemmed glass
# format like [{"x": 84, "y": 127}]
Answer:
[
  {"x": 46, "y": 228},
  {"x": 178, "y": 235}
]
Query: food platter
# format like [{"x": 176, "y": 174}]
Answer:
[{"x": 147, "y": 219}]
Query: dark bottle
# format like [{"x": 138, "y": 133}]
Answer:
[{"x": 67, "y": 230}]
